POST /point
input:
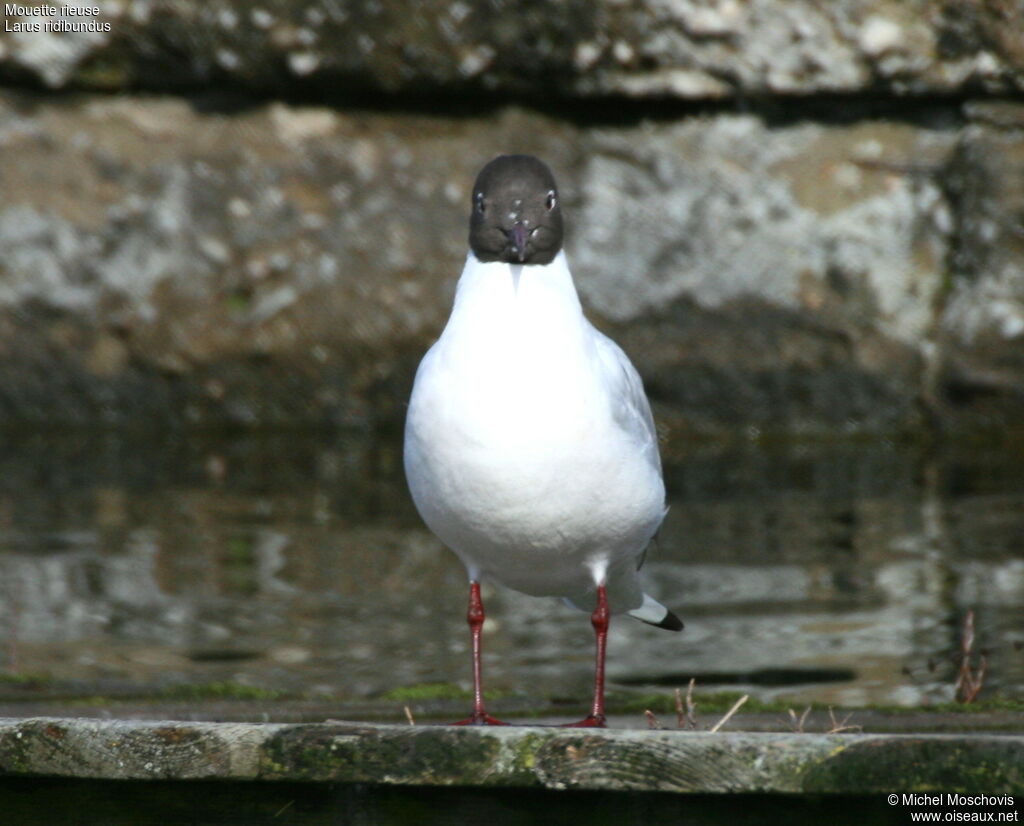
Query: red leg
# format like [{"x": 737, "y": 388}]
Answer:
[
  {"x": 475, "y": 616},
  {"x": 599, "y": 619}
]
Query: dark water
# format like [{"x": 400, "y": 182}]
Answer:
[
  {"x": 45, "y": 801},
  {"x": 837, "y": 572}
]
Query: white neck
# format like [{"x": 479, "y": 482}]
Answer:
[
  {"x": 515, "y": 320},
  {"x": 516, "y": 345},
  {"x": 529, "y": 294}
]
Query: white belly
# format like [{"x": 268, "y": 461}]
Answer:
[{"x": 523, "y": 473}]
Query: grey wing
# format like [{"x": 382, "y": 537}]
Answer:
[{"x": 630, "y": 407}]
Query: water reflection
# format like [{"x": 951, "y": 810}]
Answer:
[{"x": 294, "y": 561}]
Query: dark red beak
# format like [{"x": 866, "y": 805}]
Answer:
[{"x": 519, "y": 237}]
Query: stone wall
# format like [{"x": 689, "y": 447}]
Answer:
[{"x": 796, "y": 217}]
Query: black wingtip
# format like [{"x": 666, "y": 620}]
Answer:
[{"x": 670, "y": 623}]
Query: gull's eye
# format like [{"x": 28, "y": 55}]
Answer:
[
  {"x": 552, "y": 200},
  {"x": 480, "y": 203}
]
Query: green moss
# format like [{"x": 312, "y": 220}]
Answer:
[
  {"x": 239, "y": 566},
  {"x": 986, "y": 706},
  {"x": 89, "y": 702},
  {"x": 525, "y": 753},
  {"x": 220, "y": 691},
  {"x": 238, "y": 303},
  {"x": 719, "y": 702},
  {"x": 990, "y": 764},
  {"x": 419, "y": 755},
  {"x": 25, "y": 678},
  {"x": 104, "y": 73},
  {"x": 423, "y": 692},
  {"x": 427, "y": 692},
  {"x": 712, "y": 702},
  {"x": 991, "y": 704}
]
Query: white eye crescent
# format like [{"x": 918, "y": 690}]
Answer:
[
  {"x": 552, "y": 199},
  {"x": 480, "y": 207}
]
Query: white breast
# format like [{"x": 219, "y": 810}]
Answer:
[{"x": 515, "y": 452}]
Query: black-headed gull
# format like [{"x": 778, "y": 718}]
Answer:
[{"x": 530, "y": 448}]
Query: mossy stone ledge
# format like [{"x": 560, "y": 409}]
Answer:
[{"x": 523, "y": 757}]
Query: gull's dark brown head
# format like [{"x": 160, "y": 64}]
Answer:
[{"x": 517, "y": 214}]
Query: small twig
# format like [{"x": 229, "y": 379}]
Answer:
[
  {"x": 840, "y": 725},
  {"x": 968, "y": 681},
  {"x": 408, "y": 716},
  {"x": 730, "y": 712},
  {"x": 691, "y": 705},
  {"x": 964, "y": 676},
  {"x": 652, "y": 721},
  {"x": 680, "y": 711},
  {"x": 977, "y": 681},
  {"x": 798, "y": 722},
  {"x": 284, "y": 808}
]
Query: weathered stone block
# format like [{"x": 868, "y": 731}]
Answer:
[
  {"x": 652, "y": 49},
  {"x": 289, "y": 265}
]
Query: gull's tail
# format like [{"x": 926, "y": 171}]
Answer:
[{"x": 654, "y": 613}]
